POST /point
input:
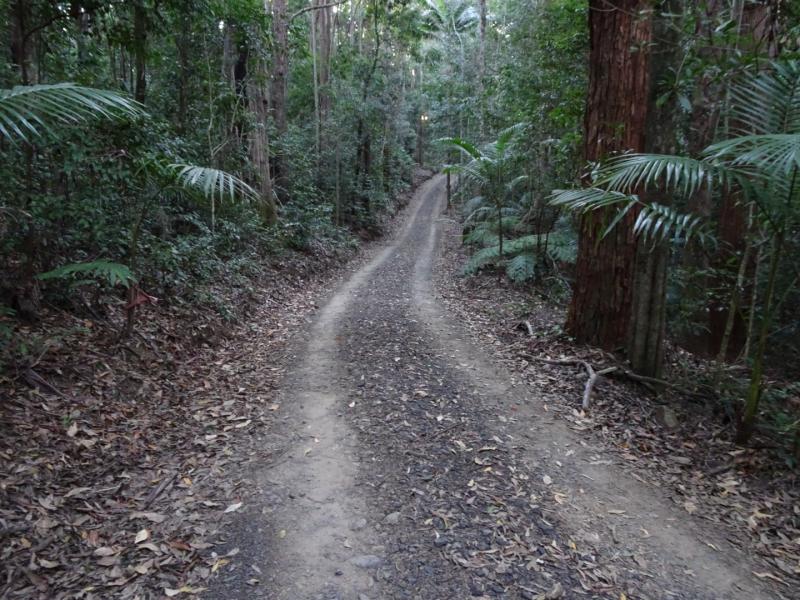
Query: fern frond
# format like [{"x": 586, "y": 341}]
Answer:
[
  {"x": 113, "y": 273},
  {"x": 521, "y": 268}
]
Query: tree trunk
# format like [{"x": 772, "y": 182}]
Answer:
[
  {"x": 259, "y": 150},
  {"x": 748, "y": 420},
  {"x": 280, "y": 72},
  {"x": 481, "y": 66},
  {"x": 183, "y": 41},
  {"x": 620, "y": 32},
  {"x": 325, "y": 23},
  {"x": 21, "y": 52},
  {"x": 648, "y": 318},
  {"x": 140, "y": 50}
]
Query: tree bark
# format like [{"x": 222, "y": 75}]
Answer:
[
  {"x": 140, "y": 50},
  {"x": 645, "y": 346},
  {"x": 620, "y": 33},
  {"x": 19, "y": 38},
  {"x": 481, "y": 65},
  {"x": 280, "y": 72},
  {"x": 259, "y": 150}
]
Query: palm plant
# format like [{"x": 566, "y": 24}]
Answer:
[
  {"x": 491, "y": 171},
  {"x": 449, "y": 17},
  {"x": 28, "y": 113},
  {"x": 762, "y": 161},
  {"x": 31, "y": 111}
]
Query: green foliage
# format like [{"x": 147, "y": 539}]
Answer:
[
  {"x": 521, "y": 255},
  {"x": 211, "y": 183},
  {"x": 654, "y": 221},
  {"x": 109, "y": 272},
  {"x": 27, "y": 112}
]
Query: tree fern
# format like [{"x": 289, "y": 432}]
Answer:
[{"x": 560, "y": 245}]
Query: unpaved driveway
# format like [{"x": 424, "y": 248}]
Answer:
[{"x": 413, "y": 470}]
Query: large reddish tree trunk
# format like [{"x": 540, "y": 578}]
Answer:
[{"x": 616, "y": 119}]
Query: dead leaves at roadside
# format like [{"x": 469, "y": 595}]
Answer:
[
  {"x": 117, "y": 488},
  {"x": 747, "y": 496}
]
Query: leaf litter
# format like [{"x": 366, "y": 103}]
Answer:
[
  {"x": 117, "y": 468},
  {"x": 748, "y": 495},
  {"x": 122, "y": 462}
]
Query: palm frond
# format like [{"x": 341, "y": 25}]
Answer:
[
  {"x": 629, "y": 173},
  {"x": 469, "y": 149},
  {"x": 506, "y": 136},
  {"x": 661, "y": 223},
  {"x": 653, "y": 221},
  {"x": 589, "y": 199},
  {"x": 769, "y": 101},
  {"x": 30, "y": 111},
  {"x": 212, "y": 183},
  {"x": 777, "y": 153}
]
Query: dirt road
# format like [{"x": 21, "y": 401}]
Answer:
[{"x": 413, "y": 470}]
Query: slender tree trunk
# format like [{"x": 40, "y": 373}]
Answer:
[
  {"x": 325, "y": 23},
  {"x": 748, "y": 419},
  {"x": 648, "y": 317},
  {"x": 315, "y": 75},
  {"x": 449, "y": 191},
  {"x": 481, "y": 66},
  {"x": 21, "y": 49},
  {"x": 616, "y": 118},
  {"x": 737, "y": 293},
  {"x": 363, "y": 134},
  {"x": 280, "y": 72},
  {"x": 140, "y": 50},
  {"x": 183, "y": 47},
  {"x": 259, "y": 148},
  {"x": 757, "y": 22}
]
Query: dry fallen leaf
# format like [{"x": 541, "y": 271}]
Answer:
[
  {"x": 141, "y": 536},
  {"x": 233, "y": 507},
  {"x": 150, "y": 516}
]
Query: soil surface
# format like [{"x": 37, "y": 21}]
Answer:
[{"x": 414, "y": 466}]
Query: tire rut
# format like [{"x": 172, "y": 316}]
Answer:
[{"x": 417, "y": 472}]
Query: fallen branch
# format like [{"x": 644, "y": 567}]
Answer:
[
  {"x": 37, "y": 381},
  {"x": 153, "y": 495},
  {"x": 593, "y": 375}
]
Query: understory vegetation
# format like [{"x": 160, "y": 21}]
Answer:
[
  {"x": 193, "y": 141},
  {"x": 662, "y": 212},
  {"x": 166, "y": 151},
  {"x": 169, "y": 168}
]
